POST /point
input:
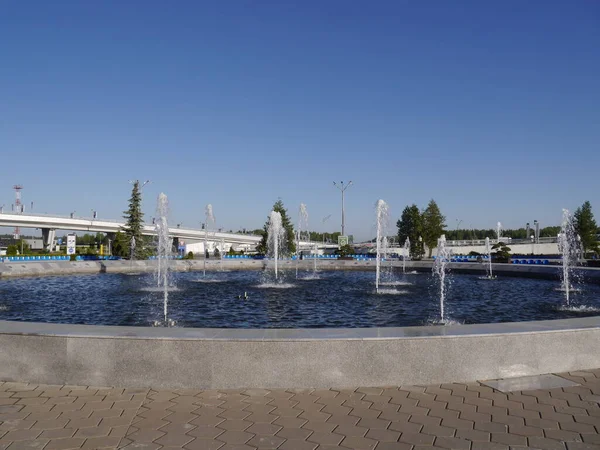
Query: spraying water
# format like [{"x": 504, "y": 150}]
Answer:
[
  {"x": 131, "y": 251},
  {"x": 439, "y": 269},
  {"x": 275, "y": 238},
  {"x": 382, "y": 223},
  {"x": 488, "y": 252},
  {"x": 315, "y": 260},
  {"x": 302, "y": 225},
  {"x": 499, "y": 231},
  {"x": 569, "y": 248},
  {"x": 164, "y": 250},
  {"x": 406, "y": 254},
  {"x": 221, "y": 253},
  {"x": 210, "y": 220}
]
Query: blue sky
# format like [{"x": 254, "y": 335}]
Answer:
[{"x": 490, "y": 108}]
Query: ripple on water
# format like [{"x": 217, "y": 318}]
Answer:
[
  {"x": 390, "y": 292},
  {"x": 276, "y": 285},
  {"x": 159, "y": 289},
  {"x": 578, "y": 309}
]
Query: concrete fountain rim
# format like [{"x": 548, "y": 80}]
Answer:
[{"x": 295, "y": 334}]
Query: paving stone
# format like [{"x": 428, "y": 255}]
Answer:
[
  {"x": 238, "y": 425},
  {"x": 21, "y": 435},
  {"x": 146, "y": 436},
  {"x": 358, "y": 443},
  {"x": 425, "y": 420},
  {"x": 17, "y": 424},
  {"x": 417, "y": 438},
  {"x": 295, "y": 433},
  {"x": 406, "y": 427},
  {"x": 64, "y": 444},
  {"x": 206, "y": 432},
  {"x": 376, "y": 424},
  {"x": 107, "y": 442},
  {"x": 290, "y": 422},
  {"x": 235, "y": 437},
  {"x": 452, "y": 443},
  {"x": 509, "y": 439},
  {"x": 265, "y": 441},
  {"x": 581, "y": 446},
  {"x": 488, "y": 446},
  {"x": 298, "y": 445},
  {"x": 59, "y": 433},
  {"x": 546, "y": 444},
  {"x": 204, "y": 444},
  {"x": 563, "y": 435},
  {"x": 27, "y": 445},
  {"x": 351, "y": 431},
  {"x": 474, "y": 435},
  {"x": 319, "y": 427},
  {"x": 263, "y": 428},
  {"x": 436, "y": 430},
  {"x": 578, "y": 427},
  {"x": 392, "y": 446},
  {"x": 383, "y": 435},
  {"x": 174, "y": 439},
  {"x": 343, "y": 420}
]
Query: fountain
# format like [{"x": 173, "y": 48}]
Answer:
[
  {"x": 499, "y": 231},
  {"x": 568, "y": 246},
  {"x": 302, "y": 225},
  {"x": 439, "y": 270},
  {"x": 489, "y": 275},
  {"x": 163, "y": 251},
  {"x": 382, "y": 223},
  {"x": 210, "y": 220},
  {"x": 406, "y": 254},
  {"x": 132, "y": 254},
  {"x": 275, "y": 239}
]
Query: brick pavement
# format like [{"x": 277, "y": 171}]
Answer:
[{"x": 451, "y": 416}]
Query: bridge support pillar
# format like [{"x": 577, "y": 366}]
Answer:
[
  {"x": 110, "y": 238},
  {"x": 175, "y": 248},
  {"x": 48, "y": 236}
]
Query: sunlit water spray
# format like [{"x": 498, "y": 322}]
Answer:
[
  {"x": 209, "y": 222},
  {"x": 489, "y": 274},
  {"x": 302, "y": 226},
  {"x": 164, "y": 251},
  {"x": 382, "y": 212},
  {"x": 439, "y": 270},
  {"x": 275, "y": 239},
  {"x": 568, "y": 246}
]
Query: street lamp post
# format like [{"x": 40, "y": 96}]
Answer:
[
  {"x": 537, "y": 231},
  {"x": 342, "y": 189}
]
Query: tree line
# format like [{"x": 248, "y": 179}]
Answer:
[{"x": 424, "y": 227}]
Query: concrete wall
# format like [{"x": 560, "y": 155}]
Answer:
[
  {"x": 20, "y": 269},
  {"x": 302, "y": 358}
]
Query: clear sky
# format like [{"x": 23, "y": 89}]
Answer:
[{"x": 492, "y": 108}]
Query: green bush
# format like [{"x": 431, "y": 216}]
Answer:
[
  {"x": 73, "y": 258},
  {"x": 190, "y": 255}
]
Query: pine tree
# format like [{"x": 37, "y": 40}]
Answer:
[
  {"x": 134, "y": 220},
  {"x": 119, "y": 245},
  {"x": 586, "y": 228},
  {"x": 410, "y": 226},
  {"x": 433, "y": 225},
  {"x": 289, "y": 246}
]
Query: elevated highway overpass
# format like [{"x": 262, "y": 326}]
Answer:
[{"x": 50, "y": 223}]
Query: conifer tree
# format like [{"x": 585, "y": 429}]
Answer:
[
  {"x": 134, "y": 220},
  {"x": 289, "y": 246}
]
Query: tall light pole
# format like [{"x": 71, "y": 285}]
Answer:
[{"x": 342, "y": 189}]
